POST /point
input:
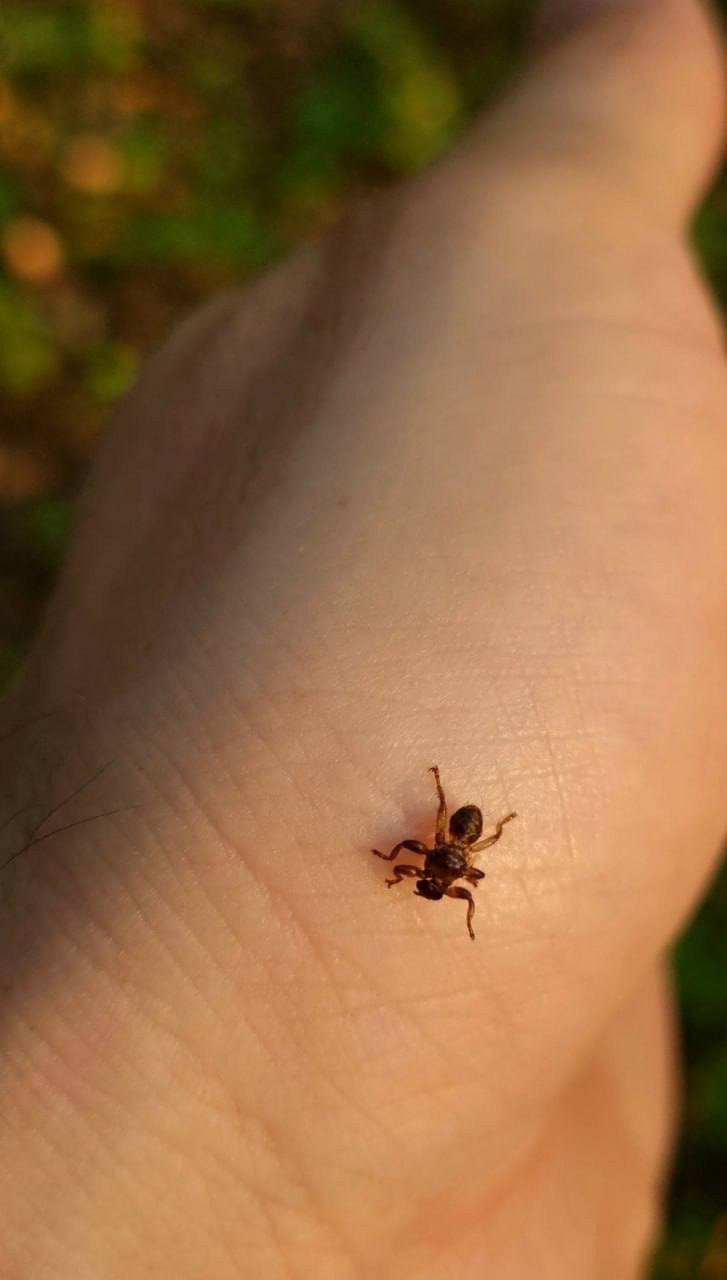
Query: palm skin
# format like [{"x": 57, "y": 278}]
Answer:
[{"x": 448, "y": 486}]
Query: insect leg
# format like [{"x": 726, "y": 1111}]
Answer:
[
  {"x": 402, "y": 870},
  {"x": 442, "y": 810},
  {"x": 493, "y": 839},
  {"x": 456, "y": 892},
  {"x": 473, "y": 875},
  {"x": 414, "y": 846}
]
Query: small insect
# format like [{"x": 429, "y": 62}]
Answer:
[{"x": 451, "y": 857}]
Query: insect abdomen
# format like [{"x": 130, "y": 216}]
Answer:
[{"x": 466, "y": 823}]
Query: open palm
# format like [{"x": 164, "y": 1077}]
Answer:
[{"x": 447, "y": 488}]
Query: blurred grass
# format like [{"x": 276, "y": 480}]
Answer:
[{"x": 154, "y": 150}]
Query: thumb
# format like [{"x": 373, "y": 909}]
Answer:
[{"x": 632, "y": 90}]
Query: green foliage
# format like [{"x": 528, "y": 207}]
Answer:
[
  {"x": 41, "y": 38},
  {"x": 213, "y": 234},
  {"x": 28, "y": 356},
  {"x": 43, "y": 528},
  {"x": 419, "y": 101},
  {"x": 11, "y": 197},
  {"x": 710, "y": 240},
  {"x": 339, "y": 116},
  {"x": 701, "y": 959},
  {"x": 11, "y": 661},
  {"x": 699, "y": 1194},
  {"x": 111, "y": 369},
  {"x": 144, "y": 149},
  {"x": 38, "y": 38}
]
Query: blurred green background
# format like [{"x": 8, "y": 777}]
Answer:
[{"x": 152, "y": 151}]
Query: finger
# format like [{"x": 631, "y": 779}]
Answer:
[{"x": 628, "y": 91}]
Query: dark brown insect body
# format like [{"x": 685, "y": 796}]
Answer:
[{"x": 451, "y": 857}]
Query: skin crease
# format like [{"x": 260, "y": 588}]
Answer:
[{"x": 447, "y": 488}]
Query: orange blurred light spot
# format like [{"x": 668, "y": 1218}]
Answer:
[
  {"x": 33, "y": 250},
  {"x": 92, "y": 165}
]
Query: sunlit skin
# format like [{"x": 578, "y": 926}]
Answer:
[{"x": 448, "y": 486}]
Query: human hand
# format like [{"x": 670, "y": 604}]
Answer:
[{"x": 447, "y": 488}]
